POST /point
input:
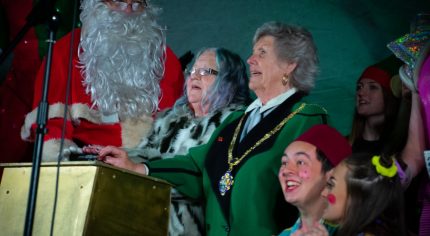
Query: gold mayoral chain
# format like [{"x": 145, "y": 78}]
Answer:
[{"x": 227, "y": 179}]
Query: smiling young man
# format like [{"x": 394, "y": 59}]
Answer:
[{"x": 304, "y": 171}]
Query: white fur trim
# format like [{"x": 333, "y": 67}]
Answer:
[
  {"x": 77, "y": 111},
  {"x": 51, "y": 149},
  {"x": 133, "y": 130},
  {"x": 56, "y": 110},
  {"x": 30, "y": 118},
  {"x": 83, "y": 111}
]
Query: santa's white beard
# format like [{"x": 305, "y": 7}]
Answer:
[{"x": 122, "y": 58}]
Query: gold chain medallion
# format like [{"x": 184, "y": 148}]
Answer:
[{"x": 227, "y": 180}]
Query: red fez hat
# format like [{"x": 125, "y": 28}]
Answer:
[
  {"x": 379, "y": 75},
  {"x": 329, "y": 141}
]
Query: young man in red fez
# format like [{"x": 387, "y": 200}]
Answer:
[
  {"x": 120, "y": 61},
  {"x": 305, "y": 169}
]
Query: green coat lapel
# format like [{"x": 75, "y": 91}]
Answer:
[{"x": 216, "y": 162}]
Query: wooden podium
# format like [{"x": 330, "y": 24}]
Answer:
[{"x": 92, "y": 199}]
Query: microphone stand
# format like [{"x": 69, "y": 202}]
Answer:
[{"x": 42, "y": 117}]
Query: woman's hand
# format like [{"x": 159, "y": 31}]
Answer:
[{"x": 118, "y": 157}]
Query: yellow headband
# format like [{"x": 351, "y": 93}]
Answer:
[{"x": 384, "y": 171}]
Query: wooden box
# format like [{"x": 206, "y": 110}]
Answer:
[{"x": 92, "y": 199}]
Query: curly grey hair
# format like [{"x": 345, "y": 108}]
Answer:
[
  {"x": 293, "y": 44},
  {"x": 122, "y": 59}
]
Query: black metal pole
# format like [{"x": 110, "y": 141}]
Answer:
[{"x": 42, "y": 117}]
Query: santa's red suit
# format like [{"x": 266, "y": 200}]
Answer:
[{"x": 85, "y": 125}]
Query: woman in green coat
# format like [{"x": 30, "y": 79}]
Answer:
[{"x": 235, "y": 173}]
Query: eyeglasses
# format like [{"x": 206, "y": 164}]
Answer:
[
  {"x": 201, "y": 72},
  {"x": 136, "y": 5}
]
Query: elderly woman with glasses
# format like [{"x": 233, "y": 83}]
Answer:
[
  {"x": 235, "y": 172},
  {"x": 216, "y": 85}
]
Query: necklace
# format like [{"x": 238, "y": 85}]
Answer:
[{"x": 227, "y": 180}]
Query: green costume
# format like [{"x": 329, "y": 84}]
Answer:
[{"x": 255, "y": 202}]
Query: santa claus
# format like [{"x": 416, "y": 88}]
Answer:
[{"x": 122, "y": 72}]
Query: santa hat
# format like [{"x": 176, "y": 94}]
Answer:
[
  {"x": 385, "y": 73},
  {"x": 377, "y": 74},
  {"x": 329, "y": 141}
]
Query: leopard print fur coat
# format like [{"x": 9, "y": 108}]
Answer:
[{"x": 174, "y": 132}]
